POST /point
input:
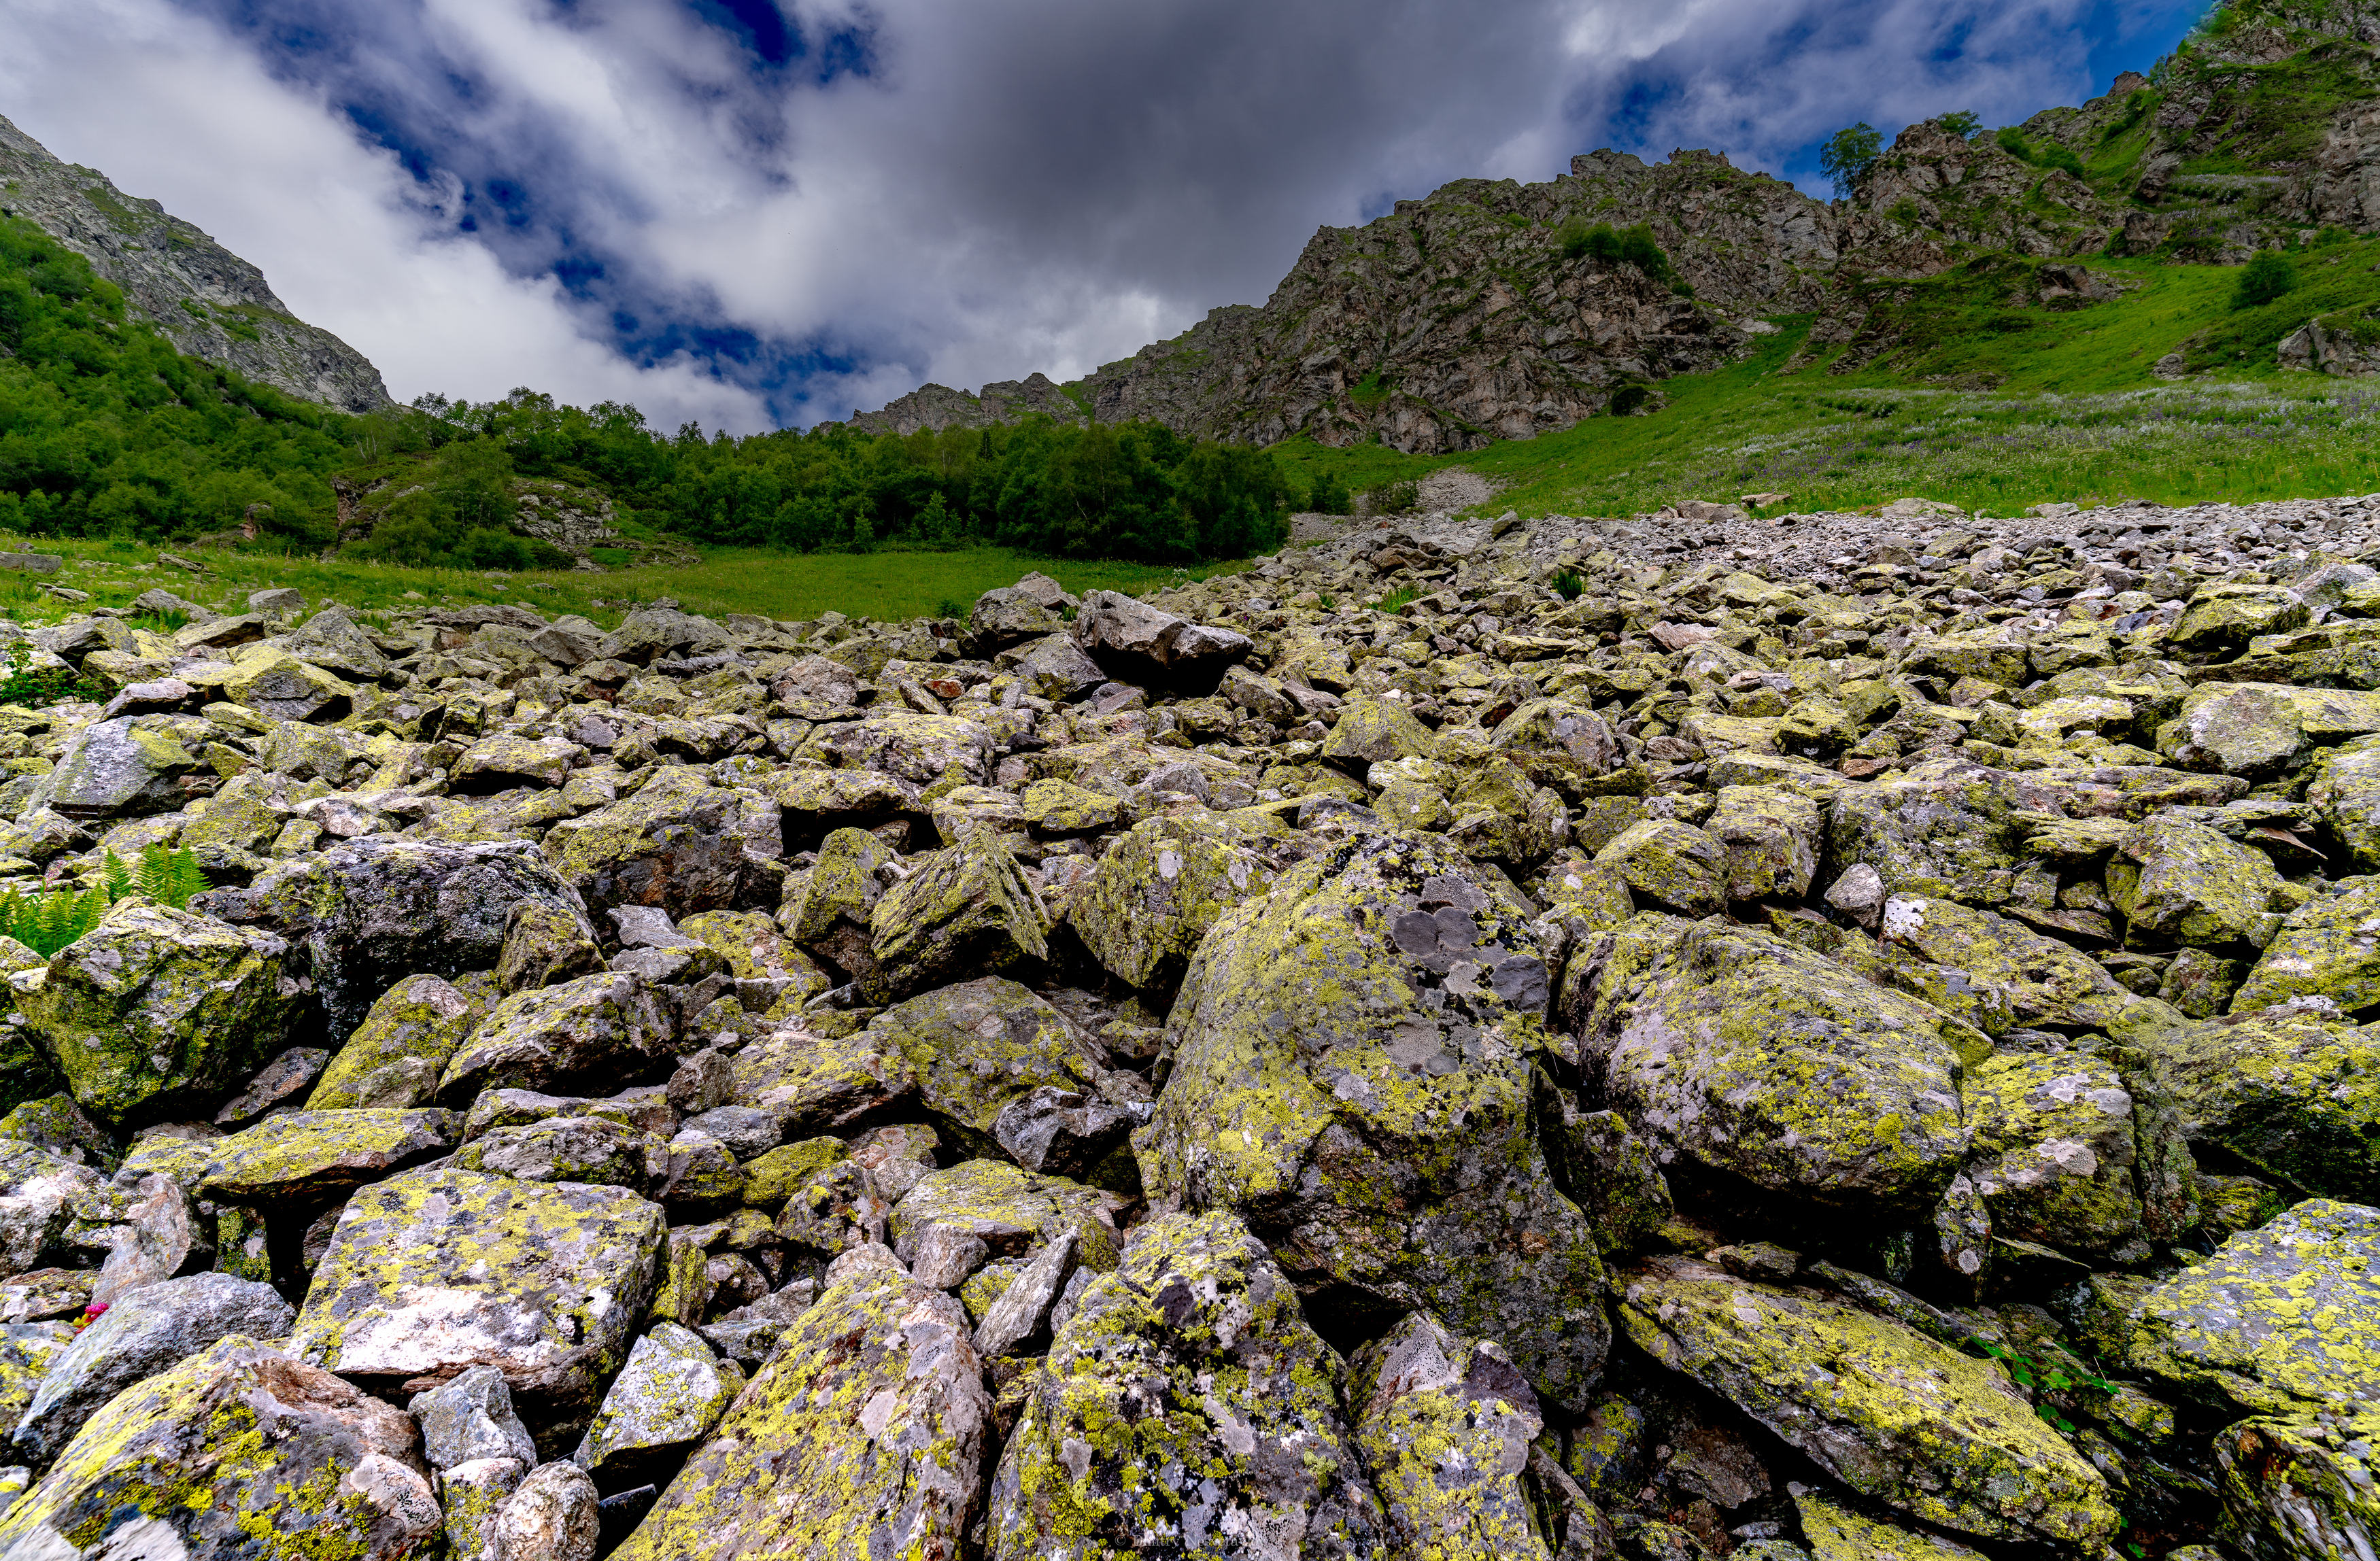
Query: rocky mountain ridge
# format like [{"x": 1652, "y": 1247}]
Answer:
[
  {"x": 206, "y": 300},
  {"x": 1474, "y": 314}
]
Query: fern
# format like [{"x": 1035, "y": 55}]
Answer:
[
  {"x": 170, "y": 877},
  {"x": 48, "y": 920}
]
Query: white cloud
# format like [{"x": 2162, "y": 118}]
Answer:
[
  {"x": 187, "y": 118},
  {"x": 1041, "y": 185}
]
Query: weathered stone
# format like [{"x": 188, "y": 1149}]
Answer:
[
  {"x": 667, "y": 1398},
  {"x": 863, "y": 1436},
  {"x": 124, "y": 767},
  {"x": 470, "y": 1418},
  {"x": 2293, "y": 1094},
  {"x": 1995, "y": 973},
  {"x": 1143, "y": 645},
  {"x": 1192, "y": 1355},
  {"x": 432, "y": 1272},
  {"x": 395, "y": 1057},
  {"x": 156, "y": 1011},
  {"x": 2329, "y": 947},
  {"x": 1890, "y": 1413},
  {"x": 2063, "y": 1156},
  {"x": 2193, "y": 885},
  {"x": 952, "y": 1220},
  {"x": 965, "y": 911},
  {"x": 144, "y": 1332},
  {"x": 1371, "y": 731},
  {"x": 564, "y": 1149},
  {"x": 237, "y": 1450},
  {"x": 1771, "y": 839},
  {"x": 551, "y": 1516},
  {"x": 1380, "y": 1141},
  {"x": 607, "y": 1027},
  {"x": 681, "y": 845},
  {"x": 1157, "y": 891},
  {"x": 1671, "y": 863},
  {"x": 308, "y": 1155},
  {"x": 1445, "y": 1426}
]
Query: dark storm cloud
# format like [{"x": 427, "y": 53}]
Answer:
[{"x": 821, "y": 204}]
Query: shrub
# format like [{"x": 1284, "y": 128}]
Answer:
[
  {"x": 2263, "y": 279},
  {"x": 1627, "y": 398},
  {"x": 1849, "y": 154},
  {"x": 1329, "y": 495},
  {"x": 34, "y": 688},
  {"x": 1394, "y": 497},
  {"x": 1962, "y": 124},
  {"x": 1569, "y": 585}
]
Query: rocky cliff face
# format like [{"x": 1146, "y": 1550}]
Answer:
[
  {"x": 203, "y": 298},
  {"x": 1472, "y": 316}
]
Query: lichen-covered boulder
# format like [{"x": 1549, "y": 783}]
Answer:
[
  {"x": 967, "y": 910},
  {"x": 506, "y": 759},
  {"x": 1771, "y": 838},
  {"x": 1056, "y": 809},
  {"x": 2194, "y": 885},
  {"x": 565, "y": 1149},
  {"x": 1834, "y": 1532},
  {"x": 952, "y": 1220},
  {"x": 396, "y": 1056},
  {"x": 668, "y": 1397},
  {"x": 2307, "y": 1489},
  {"x": 1137, "y": 643},
  {"x": 2064, "y": 1156},
  {"x": 1993, "y": 971},
  {"x": 2279, "y": 1321},
  {"x": 556, "y": 1514},
  {"x": 156, "y": 1013},
  {"x": 1371, "y": 731},
  {"x": 1781, "y": 1067},
  {"x": 40, "y": 1194},
  {"x": 1945, "y": 827},
  {"x": 910, "y": 746},
  {"x": 2329, "y": 947},
  {"x": 142, "y": 1334},
  {"x": 27, "y": 1351},
  {"x": 1445, "y": 1425},
  {"x": 1671, "y": 863},
  {"x": 1497, "y": 813},
  {"x": 238, "y": 1450},
  {"x": 307, "y": 1156},
  {"x": 2344, "y": 785},
  {"x": 374, "y": 910},
  {"x": 863, "y": 1437},
  {"x": 2294, "y": 1094},
  {"x": 990, "y": 1057},
  {"x": 545, "y": 944},
  {"x": 829, "y": 904},
  {"x": 1157, "y": 888},
  {"x": 681, "y": 845},
  {"x": 819, "y": 1084},
  {"x": 1891, "y": 1413},
  {"x": 434, "y": 1271},
  {"x": 471, "y": 1417},
  {"x": 1566, "y": 746},
  {"x": 2257, "y": 730},
  {"x": 1192, "y": 1357},
  {"x": 1356, "y": 1054},
  {"x": 609, "y": 1027},
  {"x": 124, "y": 767}
]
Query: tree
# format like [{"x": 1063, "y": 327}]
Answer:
[
  {"x": 1849, "y": 154},
  {"x": 2266, "y": 278},
  {"x": 1961, "y": 124}
]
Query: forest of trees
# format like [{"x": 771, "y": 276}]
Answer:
[{"x": 106, "y": 430}]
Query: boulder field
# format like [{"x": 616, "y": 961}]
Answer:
[{"x": 1842, "y": 1039}]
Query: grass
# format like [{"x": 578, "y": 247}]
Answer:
[
  {"x": 2074, "y": 414},
  {"x": 775, "y": 584}
]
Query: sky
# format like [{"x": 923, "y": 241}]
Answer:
[{"x": 760, "y": 213}]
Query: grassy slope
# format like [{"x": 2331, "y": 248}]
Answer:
[
  {"x": 777, "y": 585},
  {"x": 2076, "y": 416}
]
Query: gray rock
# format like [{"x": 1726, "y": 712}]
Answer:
[
  {"x": 550, "y": 1517},
  {"x": 471, "y": 1417},
  {"x": 1023, "y": 1307},
  {"x": 666, "y": 1398},
  {"x": 1143, "y": 645},
  {"x": 146, "y": 1332}
]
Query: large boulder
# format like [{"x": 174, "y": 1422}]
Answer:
[
  {"x": 1192, "y": 1356},
  {"x": 142, "y": 1334},
  {"x": 158, "y": 1012},
  {"x": 863, "y": 1437},
  {"x": 435, "y": 1271},
  {"x": 605, "y": 1027},
  {"x": 1004, "y": 1073},
  {"x": 1355, "y": 1057},
  {"x": 301, "y": 1158},
  {"x": 2065, "y": 1156},
  {"x": 1157, "y": 888},
  {"x": 2328, "y": 948},
  {"x": 370, "y": 911},
  {"x": 2291, "y": 1093},
  {"x": 396, "y": 1056},
  {"x": 2192, "y": 884},
  {"x": 1774, "y": 1065},
  {"x": 123, "y": 767},
  {"x": 237, "y": 1450},
  {"x": 910, "y": 746},
  {"x": 680, "y": 845},
  {"x": 1140, "y": 644},
  {"x": 1890, "y": 1413},
  {"x": 1942, "y": 828},
  {"x": 1995, "y": 973},
  {"x": 967, "y": 910},
  {"x": 1445, "y": 1425},
  {"x": 666, "y": 1398}
]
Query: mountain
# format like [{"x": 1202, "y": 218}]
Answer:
[
  {"x": 1493, "y": 309},
  {"x": 206, "y": 300}
]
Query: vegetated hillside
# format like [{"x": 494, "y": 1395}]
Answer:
[
  {"x": 1494, "y": 309},
  {"x": 203, "y": 298}
]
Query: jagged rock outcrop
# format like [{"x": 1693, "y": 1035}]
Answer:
[{"x": 199, "y": 296}]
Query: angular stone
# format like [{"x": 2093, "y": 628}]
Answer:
[
  {"x": 967, "y": 910},
  {"x": 553, "y": 1516},
  {"x": 1943, "y": 828},
  {"x": 144, "y": 1332},
  {"x": 564, "y": 1149},
  {"x": 667, "y": 1398},
  {"x": 27, "y": 1351},
  {"x": 1771, "y": 839},
  {"x": 954, "y": 1218},
  {"x": 1157, "y": 891},
  {"x": 1888, "y": 1411},
  {"x": 907, "y": 745},
  {"x": 863, "y": 1436},
  {"x": 1354, "y": 1062},
  {"x": 1995, "y": 973},
  {"x": 238, "y": 1450},
  {"x": 1671, "y": 863},
  {"x": 2279, "y": 1321},
  {"x": 493, "y": 763},
  {"x": 267, "y": 679},
  {"x": 1192, "y": 1355},
  {"x": 2329, "y": 947},
  {"x": 1445, "y": 1425},
  {"x": 1371, "y": 731},
  {"x": 1780, "y": 1067},
  {"x": 395, "y": 1057},
  {"x": 2304, "y": 1488},
  {"x": 1144, "y": 645},
  {"x": 680, "y": 845},
  {"x": 819, "y": 1084},
  {"x": 606, "y": 1027},
  {"x": 155, "y": 1012},
  {"x": 2063, "y": 1156},
  {"x": 123, "y": 767},
  {"x": 432, "y": 1272},
  {"x": 470, "y": 1418},
  {"x": 2295, "y": 1095},
  {"x": 308, "y": 1156},
  {"x": 2194, "y": 885}
]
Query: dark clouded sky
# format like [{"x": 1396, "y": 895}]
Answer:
[{"x": 753, "y": 213}]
